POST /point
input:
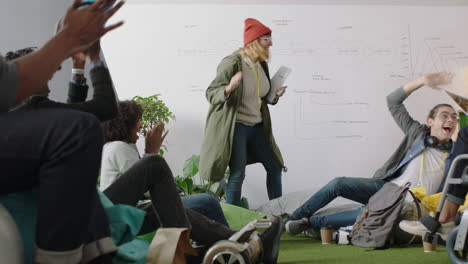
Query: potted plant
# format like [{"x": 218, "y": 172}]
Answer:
[
  {"x": 186, "y": 185},
  {"x": 154, "y": 111}
]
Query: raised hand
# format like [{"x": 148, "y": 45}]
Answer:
[
  {"x": 155, "y": 138},
  {"x": 234, "y": 83},
  {"x": 83, "y": 26},
  {"x": 435, "y": 79}
]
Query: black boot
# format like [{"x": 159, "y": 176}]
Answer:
[
  {"x": 271, "y": 241},
  {"x": 197, "y": 259}
]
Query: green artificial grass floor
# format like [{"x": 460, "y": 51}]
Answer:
[{"x": 302, "y": 249}]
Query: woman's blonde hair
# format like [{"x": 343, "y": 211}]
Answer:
[{"x": 255, "y": 52}]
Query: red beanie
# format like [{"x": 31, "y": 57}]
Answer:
[{"x": 253, "y": 30}]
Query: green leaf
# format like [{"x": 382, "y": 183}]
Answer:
[
  {"x": 185, "y": 183},
  {"x": 154, "y": 111},
  {"x": 188, "y": 186},
  {"x": 191, "y": 166},
  {"x": 244, "y": 203},
  {"x": 180, "y": 185}
]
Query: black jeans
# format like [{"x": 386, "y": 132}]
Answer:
[
  {"x": 152, "y": 173},
  {"x": 57, "y": 151}
]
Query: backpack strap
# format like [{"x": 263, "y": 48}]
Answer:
[
  {"x": 358, "y": 224},
  {"x": 418, "y": 207},
  {"x": 416, "y": 201}
]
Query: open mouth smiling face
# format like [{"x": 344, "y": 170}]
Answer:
[{"x": 444, "y": 124}]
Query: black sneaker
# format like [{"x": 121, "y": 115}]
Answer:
[{"x": 271, "y": 241}]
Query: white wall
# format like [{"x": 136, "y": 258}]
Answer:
[
  {"x": 30, "y": 23},
  {"x": 333, "y": 121},
  {"x": 25, "y": 23}
]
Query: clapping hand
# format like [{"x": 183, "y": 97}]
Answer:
[
  {"x": 83, "y": 26},
  {"x": 234, "y": 83},
  {"x": 155, "y": 138}
]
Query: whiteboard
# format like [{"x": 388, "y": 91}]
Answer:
[{"x": 333, "y": 120}]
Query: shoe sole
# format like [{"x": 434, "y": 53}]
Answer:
[
  {"x": 423, "y": 233},
  {"x": 273, "y": 257}
]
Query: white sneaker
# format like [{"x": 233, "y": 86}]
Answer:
[{"x": 417, "y": 228}]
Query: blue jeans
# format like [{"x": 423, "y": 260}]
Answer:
[
  {"x": 250, "y": 143},
  {"x": 206, "y": 205},
  {"x": 356, "y": 189},
  {"x": 335, "y": 221}
]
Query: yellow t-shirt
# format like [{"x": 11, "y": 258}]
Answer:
[{"x": 432, "y": 201}]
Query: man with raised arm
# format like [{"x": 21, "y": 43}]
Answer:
[
  {"x": 419, "y": 159},
  {"x": 57, "y": 151}
]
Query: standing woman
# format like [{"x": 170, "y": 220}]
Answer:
[{"x": 238, "y": 127}]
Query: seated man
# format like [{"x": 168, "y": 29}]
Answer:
[
  {"x": 103, "y": 104},
  {"x": 46, "y": 149},
  {"x": 455, "y": 196},
  {"x": 419, "y": 160}
]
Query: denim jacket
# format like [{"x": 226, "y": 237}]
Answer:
[
  {"x": 411, "y": 145},
  {"x": 414, "y": 151}
]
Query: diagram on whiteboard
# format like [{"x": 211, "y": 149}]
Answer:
[
  {"x": 320, "y": 116},
  {"x": 324, "y": 109},
  {"x": 431, "y": 54}
]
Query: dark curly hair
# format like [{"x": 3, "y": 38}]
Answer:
[{"x": 120, "y": 128}]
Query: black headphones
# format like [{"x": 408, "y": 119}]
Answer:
[{"x": 431, "y": 141}]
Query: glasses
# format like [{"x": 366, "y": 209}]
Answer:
[
  {"x": 12, "y": 55},
  {"x": 268, "y": 39},
  {"x": 446, "y": 116}
]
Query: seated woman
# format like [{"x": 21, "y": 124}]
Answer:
[
  {"x": 125, "y": 178},
  {"x": 121, "y": 166}
]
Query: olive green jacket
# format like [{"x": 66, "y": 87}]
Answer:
[{"x": 220, "y": 122}]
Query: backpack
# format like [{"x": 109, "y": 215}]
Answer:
[{"x": 373, "y": 228}]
